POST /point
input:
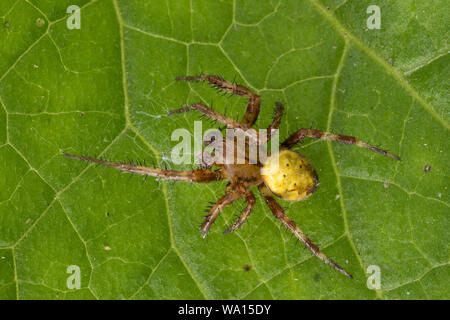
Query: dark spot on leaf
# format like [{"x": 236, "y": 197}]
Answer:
[
  {"x": 246, "y": 267},
  {"x": 40, "y": 22},
  {"x": 427, "y": 168}
]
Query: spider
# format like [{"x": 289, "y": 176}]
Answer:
[{"x": 294, "y": 178}]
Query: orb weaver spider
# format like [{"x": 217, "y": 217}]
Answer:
[{"x": 294, "y": 179}]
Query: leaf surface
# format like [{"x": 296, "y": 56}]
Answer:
[{"x": 104, "y": 91}]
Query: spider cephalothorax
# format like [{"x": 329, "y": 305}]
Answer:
[{"x": 293, "y": 178}]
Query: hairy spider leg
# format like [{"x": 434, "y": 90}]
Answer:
[
  {"x": 278, "y": 212},
  {"x": 250, "y": 198},
  {"x": 321, "y": 135},
  {"x": 252, "y": 134},
  {"x": 230, "y": 123},
  {"x": 230, "y": 197},
  {"x": 254, "y": 100},
  {"x": 199, "y": 175},
  {"x": 210, "y": 113},
  {"x": 276, "y": 119}
]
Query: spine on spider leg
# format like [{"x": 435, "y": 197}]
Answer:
[{"x": 192, "y": 175}]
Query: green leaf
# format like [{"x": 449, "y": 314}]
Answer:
[{"x": 104, "y": 90}]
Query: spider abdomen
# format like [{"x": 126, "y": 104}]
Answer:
[{"x": 290, "y": 175}]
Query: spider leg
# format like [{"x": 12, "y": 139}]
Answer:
[
  {"x": 317, "y": 134},
  {"x": 276, "y": 119},
  {"x": 250, "y": 198},
  {"x": 213, "y": 213},
  {"x": 252, "y": 134},
  {"x": 191, "y": 175},
  {"x": 278, "y": 212},
  {"x": 254, "y": 100},
  {"x": 210, "y": 113}
]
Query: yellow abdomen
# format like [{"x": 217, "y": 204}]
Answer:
[{"x": 289, "y": 175}]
